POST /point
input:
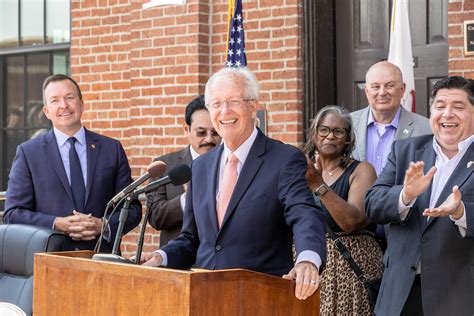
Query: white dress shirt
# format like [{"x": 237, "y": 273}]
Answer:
[
  {"x": 242, "y": 152},
  {"x": 444, "y": 168}
]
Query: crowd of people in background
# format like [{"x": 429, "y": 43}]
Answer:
[{"x": 380, "y": 193}]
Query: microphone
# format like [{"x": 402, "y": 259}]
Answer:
[
  {"x": 177, "y": 176},
  {"x": 155, "y": 170}
]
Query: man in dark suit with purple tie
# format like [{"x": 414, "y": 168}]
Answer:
[
  {"x": 248, "y": 199},
  {"x": 64, "y": 178}
]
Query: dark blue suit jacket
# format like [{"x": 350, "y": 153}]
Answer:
[
  {"x": 39, "y": 191},
  {"x": 270, "y": 205}
]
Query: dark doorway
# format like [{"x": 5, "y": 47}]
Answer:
[{"x": 360, "y": 38}]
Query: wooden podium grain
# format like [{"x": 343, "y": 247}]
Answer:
[{"x": 70, "y": 283}]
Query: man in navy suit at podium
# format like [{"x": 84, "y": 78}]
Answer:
[{"x": 248, "y": 199}]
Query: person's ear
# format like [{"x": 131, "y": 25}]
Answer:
[
  {"x": 46, "y": 111},
  {"x": 186, "y": 128}
]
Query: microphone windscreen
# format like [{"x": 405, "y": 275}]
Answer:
[
  {"x": 180, "y": 174},
  {"x": 156, "y": 169}
]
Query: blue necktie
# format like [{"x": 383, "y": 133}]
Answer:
[{"x": 77, "y": 180}]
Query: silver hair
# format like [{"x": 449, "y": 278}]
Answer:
[
  {"x": 310, "y": 147},
  {"x": 242, "y": 75}
]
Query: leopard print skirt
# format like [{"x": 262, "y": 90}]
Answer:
[{"x": 341, "y": 292}]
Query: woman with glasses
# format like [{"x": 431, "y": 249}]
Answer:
[{"x": 339, "y": 184}]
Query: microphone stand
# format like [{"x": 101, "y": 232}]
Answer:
[
  {"x": 114, "y": 256},
  {"x": 149, "y": 202},
  {"x": 122, "y": 219}
]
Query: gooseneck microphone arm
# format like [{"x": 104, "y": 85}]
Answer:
[
  {"x": 149, "y": 203},
  {"x": 154, "y": 170},
  {"x": 122, "y": 220},
  {"x": 177, "y": 176}
]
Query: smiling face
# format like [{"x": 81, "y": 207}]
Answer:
[
  {"x": 452, "y": 119},
  {"x": 330, "y": 146},
  {"x": 63, "y": 106},
  {"x": 234, "y": 120},
  {"x": 384, "y": 89}
]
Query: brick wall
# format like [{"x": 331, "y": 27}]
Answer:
[
  {"x": 138, "y": 68},
  {"x": 459, "y": 64}
]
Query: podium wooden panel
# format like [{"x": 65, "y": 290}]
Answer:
[{"x": 70, "y": 283}]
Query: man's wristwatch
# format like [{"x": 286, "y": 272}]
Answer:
[{"x": 321, "y": 190}]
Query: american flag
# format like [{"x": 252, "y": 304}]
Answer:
[{"x": 235, "y": 37}]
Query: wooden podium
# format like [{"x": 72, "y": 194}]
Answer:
[{"x": 70, "y": 283}]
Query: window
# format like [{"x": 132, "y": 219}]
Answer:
[{"x": 34, "y": 43}]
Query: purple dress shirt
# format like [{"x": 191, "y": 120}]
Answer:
[{"x": 379, "y": 141}]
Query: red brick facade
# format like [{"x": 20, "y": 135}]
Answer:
[
  {"x": 138, "y": 68},
  {"x": 459, "y": 64}
]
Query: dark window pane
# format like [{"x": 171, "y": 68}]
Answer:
[
  {"x": 61, "y": 63},
  {"x": 8, "y": 23},
  {"x": 57, "y": 21},
  {"x": 32, "y": 22},
  {"x": 15, "y": 89},
  {"x": 37, "y": 70},
  {"x": 14, "y": 138}
]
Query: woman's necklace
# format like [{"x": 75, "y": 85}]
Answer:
[{"x": 331, "y": 173}]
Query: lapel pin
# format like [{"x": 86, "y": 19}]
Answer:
[
  {"x": 469, "y": 164},
  {"x": 405, "y": 131},
  {"x": 93, "y": 146}
]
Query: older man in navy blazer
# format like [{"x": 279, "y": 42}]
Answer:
[
  {"x": 425, "y": 195},
  {"x": 53, "y": 184},
  {"x": 269, "y": 205}
]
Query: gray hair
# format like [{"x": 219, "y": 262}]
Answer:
[
  {"x": 310, "y": 147},
  {"x": 242, "y": 75}
]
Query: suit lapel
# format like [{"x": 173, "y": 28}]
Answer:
[
  {"x": 92, "y": 149},
  {"x": 213, "y": 167},
  {"x": 247, "y": 174},
  {"x": 52, "y": 152},
  {"x": 405, "y": 125},
  {"x": 459, "y": 175},
  {"x": 361, "y": 128},
  {"x": 428, "y": 155},
  {"x": 185, "y": 156}
]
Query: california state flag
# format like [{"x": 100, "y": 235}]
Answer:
[{"x": 400, "y": 52}]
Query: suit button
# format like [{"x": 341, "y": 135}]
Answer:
[
  {"x": 413, "y": 268},
  {"x": 218, "y": 247},
  {"x": 423, "y": 239}
]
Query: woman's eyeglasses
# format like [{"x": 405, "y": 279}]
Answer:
[{"x": 324, "y": 131}]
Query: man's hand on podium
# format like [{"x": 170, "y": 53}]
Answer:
[
  {"x": 151, "y": 259},
  {"x": 306, "y": 276}
]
